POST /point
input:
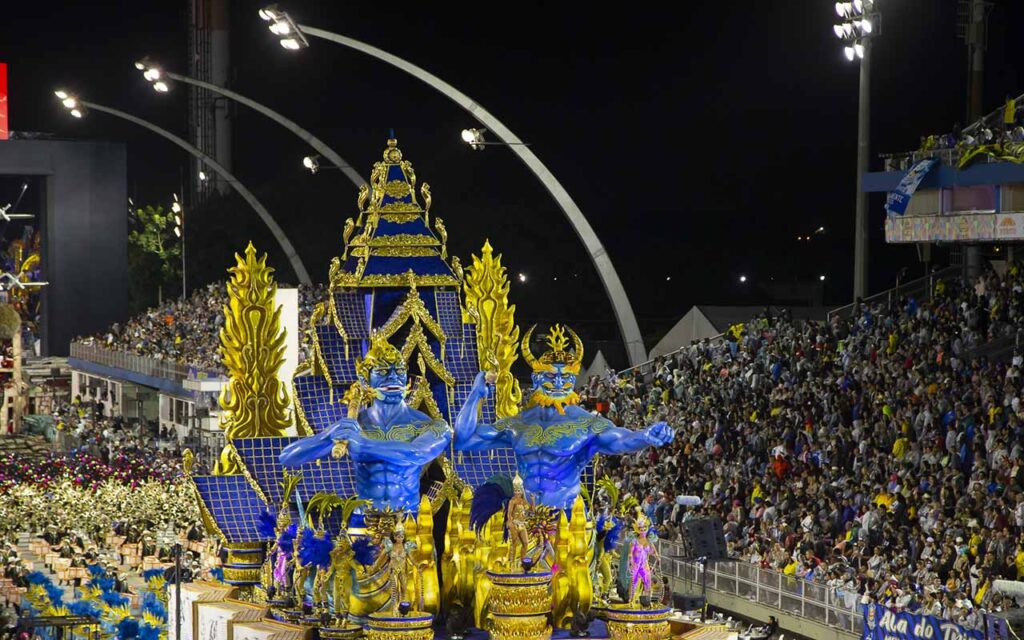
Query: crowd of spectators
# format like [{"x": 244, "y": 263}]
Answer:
[
  {"x": 871, "y": 453},
  {"x": 188, "y": 331}
]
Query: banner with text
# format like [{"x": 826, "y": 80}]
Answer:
[
  {"x": 896, "y": 203},
  {"x": 1009, "y": 226},
  {"x": 882, "y": 624}
]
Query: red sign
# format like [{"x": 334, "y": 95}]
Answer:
[{"x": 4, "y": 130}]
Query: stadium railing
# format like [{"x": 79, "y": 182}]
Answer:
[
  {"x": 789, "y": 594},
  {"x": 143, "y": 365},
  {"x": 921, "y": 288}
]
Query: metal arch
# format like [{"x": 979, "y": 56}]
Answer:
[
  {"x": 282, "y": 239},
  {"x": 609, "y": 277},
  {"x": 319, "y": 145}
]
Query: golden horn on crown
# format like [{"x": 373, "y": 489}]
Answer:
[
  {"x": 527, "y": 353},
  {"x": 577, "y": 345}
]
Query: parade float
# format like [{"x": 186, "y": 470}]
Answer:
[{"x": 423, "y": 492}]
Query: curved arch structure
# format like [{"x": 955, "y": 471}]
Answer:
[
  {"x": 289, "y": 251},
  {"x": 609, "y": 277},
  {"x": 319, "y": 145}
]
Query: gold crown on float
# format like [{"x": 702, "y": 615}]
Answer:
[
  {"x": 381, "y": 352},
  {"x": 517, "y": 482},
  {"x": 557, "y": 352}
]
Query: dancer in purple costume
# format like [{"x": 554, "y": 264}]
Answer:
[{"x": 640, "y": 553}]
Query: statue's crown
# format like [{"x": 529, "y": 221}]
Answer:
[
  {"x": 381, "y": 352},
  {"x": 558, "y": 351}
]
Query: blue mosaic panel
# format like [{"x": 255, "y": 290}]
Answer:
[
  {"x": 391, "y": 265},
  {"x": 449, "y": 313},
  {"x": 460, "y": 356},
  {"x": 233, "y": 504},
  {"x": 351, "y": 308},
  {"x": 260, "y": 457},
  {"x": 332, "y": 347},
  {"x": 314, "y": 396},
  {"x": 476, "y": 467}
]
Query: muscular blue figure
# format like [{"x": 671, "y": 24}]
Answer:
[
  {"x": 553, "y": 438},
  {"x": 389, "y": 442}
]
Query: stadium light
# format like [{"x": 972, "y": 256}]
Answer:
[
  {"x": 282, "y": 26},
  {"x": 821, "y": 278},
  {"x": 850, "y": 53},
  {"x": 202, "y": 176},
  {"x": 522, "y": 277},
  {"x": 474, "y": 138},
  {"x": 743, "y": 279},
  {"x": 858, "y": 48},
  {"x": 312, "y": 163}
]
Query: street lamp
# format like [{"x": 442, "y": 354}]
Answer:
[
  {"x": 312, "y": 163},
  {"x": 475, "y": 139},
  {"x": 156, "y": 75},
  {"x": 743, "y": 279},
  {"x": 628, "y": 326},
  {"x": 860, "y": 21},
  {"x": 286, "y": 246}
]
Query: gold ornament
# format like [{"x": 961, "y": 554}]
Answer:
[
  {"x": 486, "y": 288},
  {"x": 573, "y": 586},
  {"x": 425, "y": 192},
  {"x": 346, "y": 235},
  {"x": 255, "y": 402},
  {"x": 443, "y": 232},
  {"x": 557, "y": 352},
  {"x": 519, "y": 606}
]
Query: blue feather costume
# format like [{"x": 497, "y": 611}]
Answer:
[{"x": 489, "y": 499}]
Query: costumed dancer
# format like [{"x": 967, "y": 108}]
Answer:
[
  {"x": 315, "y": 555},
  {"x": 397, "y": 552},
  {"x": 516, "y": 513},
  {"x": 608, "y": 530},
  {"x": 641, "y": 552}
]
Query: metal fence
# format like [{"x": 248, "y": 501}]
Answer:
[
  {"x": 809, "y": 600},
  {"x": 144, "y": 365},
  {"x": 921, "y": 288}
]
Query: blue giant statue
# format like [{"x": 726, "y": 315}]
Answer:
[
  {"x": 389, "y": 442},
  {"x": 553, "y": 438}
]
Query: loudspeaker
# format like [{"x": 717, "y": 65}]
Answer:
[
  {"x": 687, "y": 602},
  {"x": 704, "y": 537}
]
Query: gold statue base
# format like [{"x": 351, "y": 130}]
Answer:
[
  {"x": 520, "y": 604},
  {"x": 632, "y": 622},
  {"x": 341, "y": 630},
  {"x": 415, "y": 625}
]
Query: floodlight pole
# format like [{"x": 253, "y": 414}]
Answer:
[
  {"x": 628, "y": 326},
  {"x": 261, "y": 211},
  {"x": 860, "y": 242},
  {"x": 318, "y": 144}
]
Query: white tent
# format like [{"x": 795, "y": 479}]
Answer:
[
  {"x": 598, "y": 367},
  {"x": 692, "y": 326},
  {"x": 708, "y": 321}
]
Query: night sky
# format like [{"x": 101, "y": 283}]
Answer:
[{"x": 699, "y": 141}]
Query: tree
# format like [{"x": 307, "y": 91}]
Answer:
[{"x": 153, "y": 255}]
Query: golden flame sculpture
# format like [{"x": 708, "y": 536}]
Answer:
[
  {"x": 255, "y": 403},
  {"x": 486, "y": 288}
]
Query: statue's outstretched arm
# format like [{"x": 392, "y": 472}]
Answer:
[
  {"x": 470, "y": 436},
  {"x": 616, "y": 440},
  {"x": 317, "y": 447}
]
